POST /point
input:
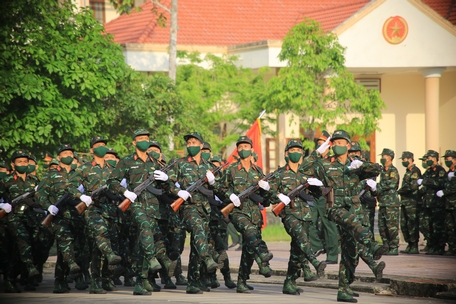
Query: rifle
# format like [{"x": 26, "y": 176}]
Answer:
[
  {"x": 17, "y": 200},
  {"x": 145, "y": 185},
  {"x": 82, "y": 206},
  {"x": 292, "y": 195},
  {"x": 47, "y": 221},
  {"x": 246, "y": 193},
  {"x": 328, "y": 193},
  {"x": 195, "y": 186},
  {"x": 368, "y": 201}
]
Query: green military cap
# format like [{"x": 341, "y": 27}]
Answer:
[
  {"x": 432, "y": 153},
  {"x": 354, "y": 146},
  {"x": 54, "y": 161},
  {"x": 216, "y": 158},
  {"x": 366, "y": 155},
  {"x": 97, "y": 139},
  {"x": 155, "y": 143},
  {"x": 324, "y": 135},
  {"x": 293, "y": 143},
  {"x": 340, "y": 134},
  {"x": 112, "y": 151},
  {"x": 64, "y": 147},
  {"x": 207, "y": 146},
  {"x": 424, "y": 157},
  {"x": 407, "y": 154},
  {"x": 195, "y": 135},
  {"x": 451, "y": 153},
  {"x": 140, "y": 132},
  {"x": 244, "y": 139},
  {"x": 32, "y": 157},
  {"x": 387, "y": 151},
  {"x": 19, "y": 154}
]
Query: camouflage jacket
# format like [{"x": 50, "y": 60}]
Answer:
[
  {"x": 410, "y": 189},
  {"x": 387, "y": 187},
  {"x": 11, "y": 187},
  {"x": 135, "y": 171},
  {"x": 433, "y": 181},
  {"x": 449, "y": 192}
]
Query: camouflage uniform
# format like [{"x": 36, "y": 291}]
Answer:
[
  {"x": 449, "y": 194},
  {"x": 409, "y": 193}
]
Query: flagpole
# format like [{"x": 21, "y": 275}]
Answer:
[{"x": 261, "y": 114}]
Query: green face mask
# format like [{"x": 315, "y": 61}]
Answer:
[
  {"x": 142, "y": 145},
  {"x": 294, "y": 156},
  {"x": 2, "y": 175},
  {"x": 45, "y": 166},
  {"x": 21, "y": 169},
  {"x": 383, "y": 161},
  {"x": 112, "y": 162},
  {"x": 429, "y": 162},
  {"x": 206, "y": 155},
  {"x": 287, "y": 158},
  {"x": 448, "y": 163},
  {"x": 339, "y": 150},
  {"x": 100, "y": 151},
  {"x": 424, "y": 164},
  {"x": 67, "y": 160},
  {"x": 243, "y": 154},
  {"x": 31, "y": 168},
  {"x": 193, "y": 150},
  {"x": 154, "y": 154},
  {"x": 405, "y": 164}
]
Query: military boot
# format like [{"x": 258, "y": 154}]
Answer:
[
  {"x": 146, "y": 284},
  {"x": 59, "y": 287},
  {"x": 33, "y": 272},
  {"x": 95, "y": 287},
  {"x": 321, "y": 269},
  {"x": 74, "y": 268},
  {"x": 378, "y": 270},
  {"x": 288, "y": 288},
  {"x": 211, "y": 265},
  {"x": 343, "y": 296},
  {"x": 250, "y": 287},
  {"x": 202, "y": 285},
  {"x": 169, "y": 284},
  {"x": 10, "y": 287},
  {"x": 352, "y": 293},
  {"x": 139, "y": 289},
  {"x": 154, "y": 265},
  {"x": 113, "y": 259},
  {"x": 407, "y": 250},
  {"x": 265, "y": 256},
  {"x": 193, "y": 289},
  {"x": 414, "y": 249},
  {"x": 107, "y": 285},
  {"x": 214, "y": 282},
  {"x": 228, "y": 281},
  {"x": 393, "y": 251},
  {"x": 155, "y": 286},
  {"x": 180, "y": 280},
  {"x": 242, "y": 286},
  {"x": 80, "y": 284},
  {"x": 265, "y": 270},
  {"x": 378, "y": 251},
  {"x": 168, "y": 265},
  {"x": 308, "y": 275},
  {"x": 221, "y": 259}
]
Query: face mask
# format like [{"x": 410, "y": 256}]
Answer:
[
  {"x": 73, "y": 166},
  {"x": 405, "y": 164},
  {"x": 31, "y": 168},
  {"x": 142, "y": 145},
  {"x": 21, "y": 169},
  {"x": 424, "y": 164},
  {"x": 193, "y": 150},
  {"x": 154, "y": 154},
  {"x": 383, "y": 161},
  {"x": 67, "y": 160},
  {"x": 112, "y": 162},
  {"x": 286, "y": 158},
  {"x": 448, "y": 163},
  {"x": 205, "y": 155},
  {"x": 339, "y": 150},
  {"x": 294, "y": 156},
  {"x": 46, "y": 166},
  {"x": 2, "y": 175},
  {"x": 243, "y": 154},
  {"x": 100, "y": 151},
  {"x": 429, "y": 162}
]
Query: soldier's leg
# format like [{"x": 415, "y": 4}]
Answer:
[
  {"x": 145, "y": 234},
  {"x": 293, "y": 271},
  {"x": 382, "y": 225},
  {"x": 392, "y": 221},
  {"x": 405, "y": 223},
  {"x": 22, "y": 238},
  {"x": 438, "y": 234},
  {"x": 413, "y": 226},
  {"x": 347, "y": 265},
  {"x": 330, "y": 232},
  {"x": 450, "y": 227},
  {"x": 314, "y": 236}
]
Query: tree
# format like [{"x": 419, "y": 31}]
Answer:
[
  {"x": 57, "y": 72},
  {"x": 316, "y": 86}
]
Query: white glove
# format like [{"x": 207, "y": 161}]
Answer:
[
  {"x": 314, "y": 182},
  {"x": 36, "y": 188},
  {"x": 235, "y": 200},
  {"x": 184, "y": 194},
  {"x": 419, "y": 181},
  {"x": 210, "y": 177},
  {"x": 324, "y": 146},
  {"x": 53, "y": 210},
  {"x": 6, "y": 207},
  {"x": 160, "y": 175},
  {"x": 451, "y": 175},
  {"x": 123, "y": 183},
  {"x": 439, "y": 193},
  {"x": 177, "y": 185},
  {"x": 264, "y": 185},
  {"x": 130, "y": 195},
  {"x": 81, "y": 188},
  {"x": 355, "y": 164},
  {"x": 372, "y": 184},
  {"x": 284, "y": 199},
  {"x": 86, "y": 199}
]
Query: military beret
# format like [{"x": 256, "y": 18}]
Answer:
[
  {"x": 19, "y": 154},
  {"x": 324, "y": 135},
  {"x": 195, "y": 135},
  {"x": 155, "y": 143},
  {"x": 64, "y": 147},
  {"x": 216, "y": 158},
  {"x": 32, "y": 157},
  {"x": 140, "y": 132},
  {"x": 54, "y": 161},
  {"x": 388, "y": 152},
  {"x": 244, "y": 139},
  {"x": 340, "y": 134},
  {"x": 407, "y": 154},
  {"x": 97, "y": 139},
  {"x": 432, "y": 153},
  {"x": 354, "y": 146},
  {"x": 207, "y": 146},
  {"x": 451, "y": 153},
  {"x": 293, "y": 143}
]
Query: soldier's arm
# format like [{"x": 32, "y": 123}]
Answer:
[
  {"x": 369, "y": 170},
  {"x": 116, "y": 176},
  {"x": 173, "y": 175},
  {"x": 437, "y": 182},
  {"x": 42, "y": 195},
  {"x": 76, "y": 179},
  {"x": 450, "y": 187}
]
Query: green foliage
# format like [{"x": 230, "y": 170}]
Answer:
[{"x": 316, "y": 86}]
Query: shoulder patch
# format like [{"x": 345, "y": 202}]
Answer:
[
  {"x": 442, "y": 173},
  {"x": 415, "y": 175},
  {"x": 393, "y": 174}
]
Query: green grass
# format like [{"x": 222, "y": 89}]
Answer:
[{"x": 275, "y": 233}]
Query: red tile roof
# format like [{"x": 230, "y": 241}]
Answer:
[
  {"x": 224, "y": 23},
  {"x": 445, "y": 8}
]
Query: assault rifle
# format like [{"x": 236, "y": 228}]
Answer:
[
  {"x": 47, "y": 221},
  {"x": 146, "y": 184},
  {"x": 292, "y": 195},
  {"x": 17, "y": 200},
  {"x": 95, "y": 194}
]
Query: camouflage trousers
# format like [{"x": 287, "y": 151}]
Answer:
[
  {"x": 409, "y": 221},
  {"x": 438, "y": 235},
  {"x": 349, "y": 258},
  {"x": 388, "y": 226},
  {"x": 328, "y": 233},
  {"x": 219, "y": 235},
  {"x": 146, "y": 229},
  {"x": 22, "y": 237},
  {"x": 63, "y": 230},
  {"x": 424, "y": 221},
  {"x": 370, "y": 213},
  {"x": 450, "y": 228}
]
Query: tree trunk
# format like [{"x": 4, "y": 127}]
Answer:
[{"x": 173, "y": 41}]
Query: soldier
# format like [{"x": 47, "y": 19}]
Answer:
[
  {"x": 409, "y": 199},
  {"x": 296, "y": 216},
  {"x": 432, "y": 181},
  {"x": 111, "y": 157},
  {"x": 388, "y": 202},
  {"x": 33, "y": 164},
  {"x": 246, "y": 218}
]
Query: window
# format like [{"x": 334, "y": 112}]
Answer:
[{"x": 98, "y": 8}]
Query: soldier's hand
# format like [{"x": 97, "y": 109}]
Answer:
[
  {"x": 355, "y": 164},
  {"x": 451, "y": 175},
  {"x": 314, "y": 182},
  {"x": 160, "y": 175},
  {"x": 86, "y": 199},
  {"x": 130, "y": 195},
  {"x": 6, "y": 207},
  {"x": 324, "y": 146},
  {"x": 235, "y": 200},
  {"x": 210, "y": 177},
  {"x": 419, "y": 181},
  {"x": 440, "y": 193},
  {"x": 53, "y": 210},
  {"x": 81, "y": 188},
  {"x": 372, "y": 184},
  {"x": 183, "y": 194},
  {"x": 264, "y": 185},
  {"x": 284, "y": 199}
]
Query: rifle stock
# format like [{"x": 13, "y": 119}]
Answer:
[
  {"x": 278, "y": 208},
  {"x": 2, "y": 213},
  {"x": 47, "y": 220},
  {"x": 227, "y": 209},
  {"x": 177, "y": 203},
  {"x": 81, "y": 207},
  {"x": 124, "y": 205}
]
